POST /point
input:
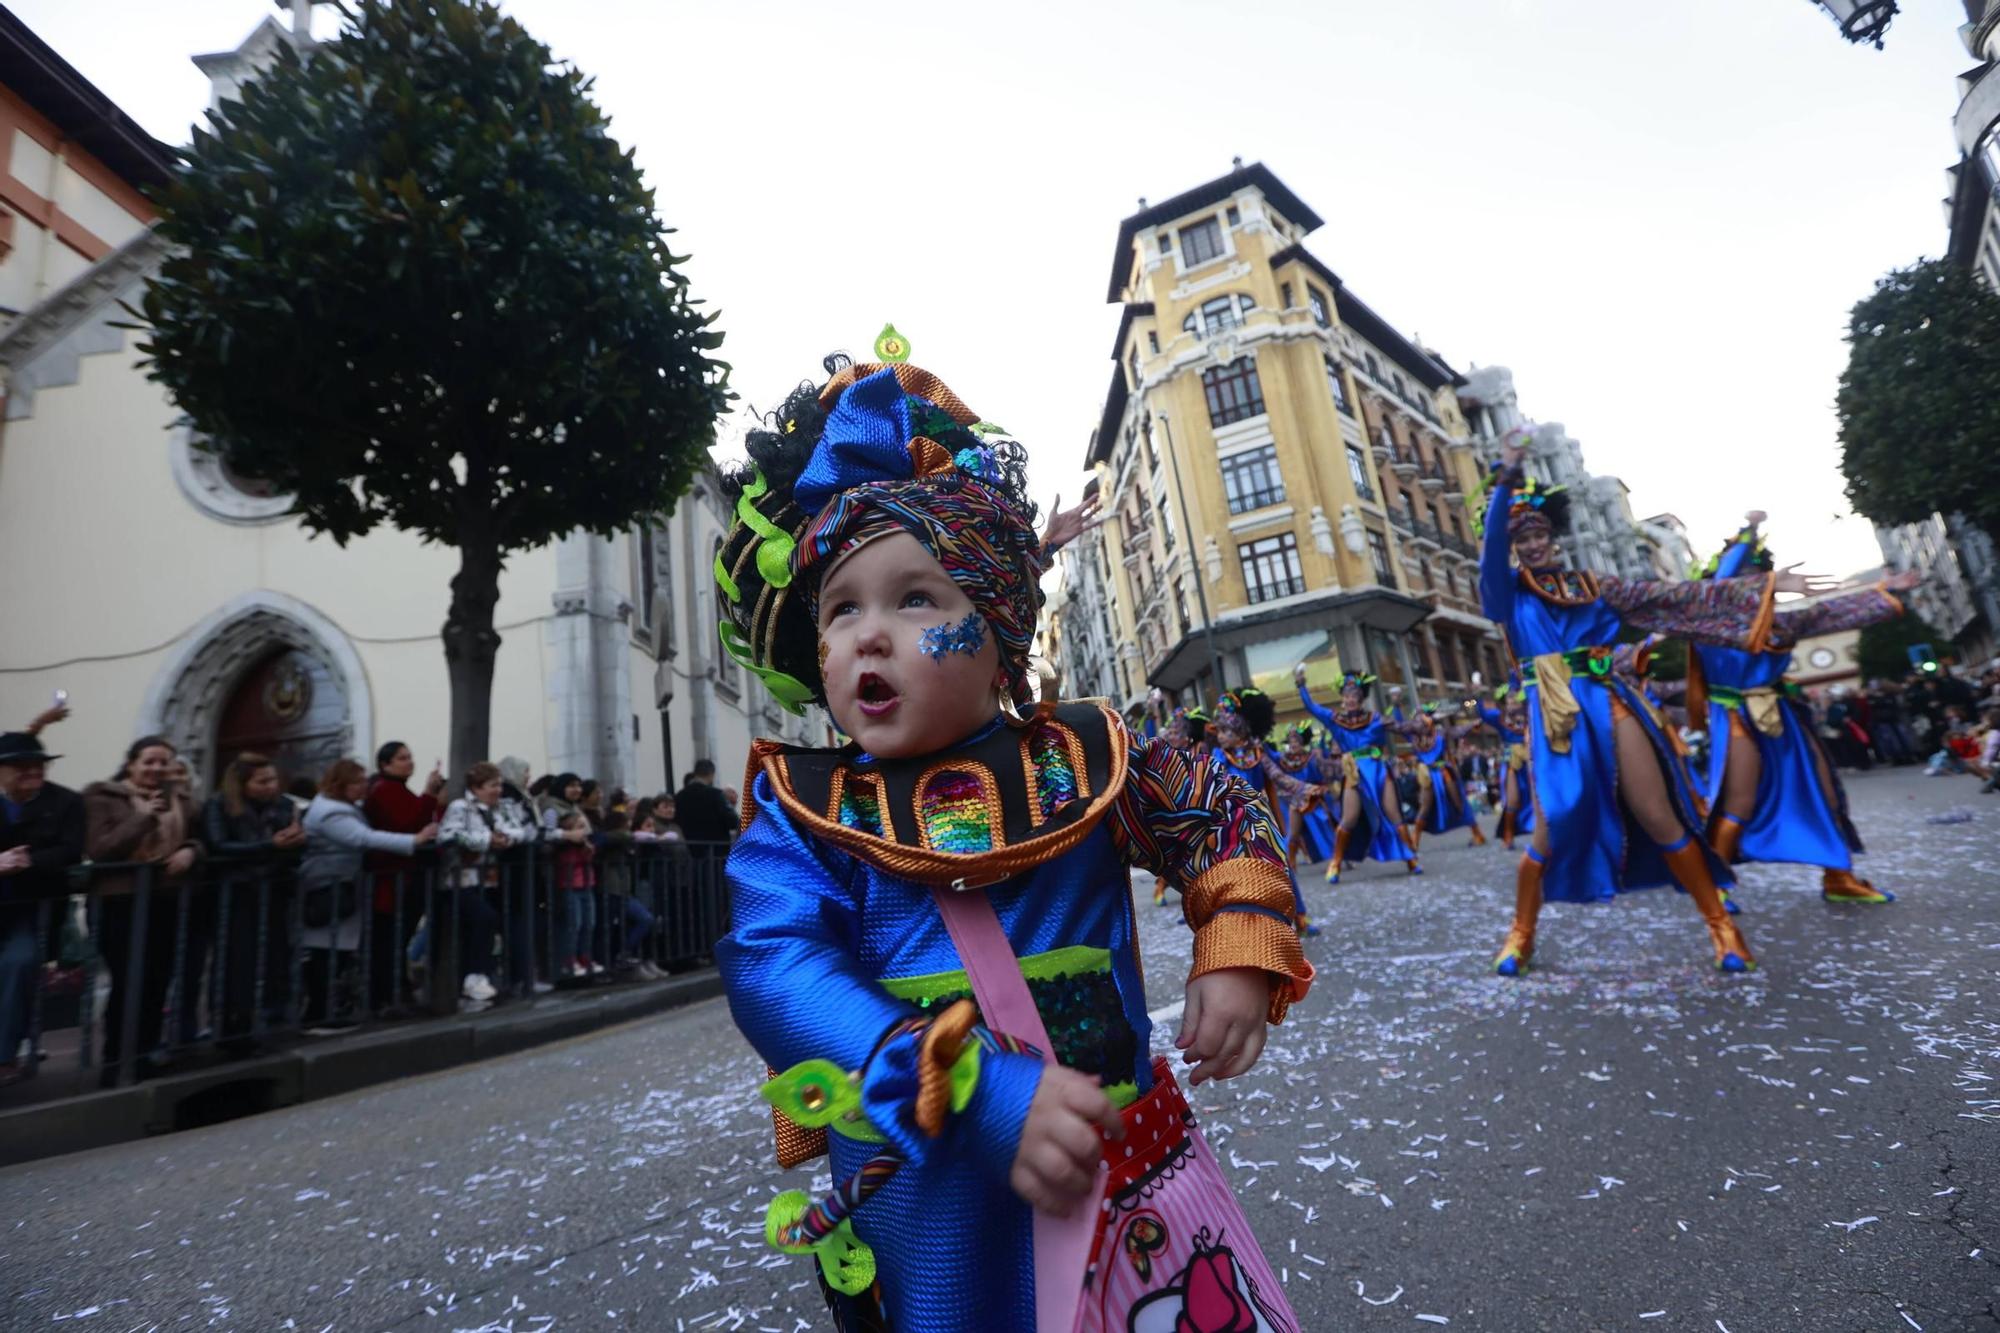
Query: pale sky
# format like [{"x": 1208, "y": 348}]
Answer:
[{"x": 1657, "y": 214}]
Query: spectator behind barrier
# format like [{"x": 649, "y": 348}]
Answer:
[
  {"x": 704, "y": 811},
  {"x": 41, "y": 836},
  {"x": 141, "y": 815},
  {"x": 331, "y": 890}
]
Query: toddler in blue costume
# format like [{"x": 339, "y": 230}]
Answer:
[{"x": 885, "y": 565}]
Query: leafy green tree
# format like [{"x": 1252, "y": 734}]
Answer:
[
  {"x": 1919, "y": 401},
  {"x": 414, "y": 281},
  {"x": 1884, "y": 645}
]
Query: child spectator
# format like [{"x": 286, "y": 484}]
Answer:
[{"x": 576, "y": 877}]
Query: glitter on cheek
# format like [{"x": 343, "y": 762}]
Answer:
[{"x": 968, "y": 636}]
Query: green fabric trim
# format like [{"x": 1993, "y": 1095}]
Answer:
[{"x": 1066, "y": 962}]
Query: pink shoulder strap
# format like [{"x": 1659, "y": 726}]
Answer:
[{"x": 1062, "y": 1244}]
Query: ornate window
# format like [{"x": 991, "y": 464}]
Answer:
[
  {"x": 220, "y": 490},
  {"x": 1233, "y": 391},
  {"x": 1218, "y": 314},
  {"x": 1201, "y": 242},
  {"x": 1357, "y": 472},
  {"x": 1338, "y": 383},
  {"x": 1251, "y": 480},
  {"x": 1271, "y": 568}
]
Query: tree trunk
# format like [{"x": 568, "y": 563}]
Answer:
[{"x": 470, "y": 647}]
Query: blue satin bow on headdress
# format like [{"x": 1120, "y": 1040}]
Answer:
[{"x": 871, "y": 436}]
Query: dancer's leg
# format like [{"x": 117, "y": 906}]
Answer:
[
  {"x": 1391, "y": 802},
  {"x": 1643, "y": 789},
  {"x": 1350, "y": 817}
]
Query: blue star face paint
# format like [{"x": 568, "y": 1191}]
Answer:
[{"x": 968, "y": 636}]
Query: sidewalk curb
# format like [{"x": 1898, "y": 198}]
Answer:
[{"x": 328, "y": 1069}]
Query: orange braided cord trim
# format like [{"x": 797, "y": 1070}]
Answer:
[
  {"x": 1249, "y": 939},
  {"x": 937, "y": 1054},
  {"x": 914, "y": 380}
]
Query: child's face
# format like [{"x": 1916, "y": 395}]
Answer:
[{"x": 910, "y": 666}]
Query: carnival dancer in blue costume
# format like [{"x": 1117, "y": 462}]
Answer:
[
  {"x": 885, "y": 565},
  {"x": 1370, "y": 790},
  {"x": 1442, "y": 806},
  {"x": 1510, "y": 722},
  {"x": 1308, "y": 826},
  {"x": 1613, "y": 812},
  {"x": 1243, "y": 720},
  {"x": 1772, "y": 794}
]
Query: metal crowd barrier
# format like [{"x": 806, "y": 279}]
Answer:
[{"x": 148, "y": 972}]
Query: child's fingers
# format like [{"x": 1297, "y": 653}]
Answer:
[
  {"x": 1086, "y": 1098},
  {"x": 1244, "y": 1058},
  {"x": 1190, "y": 1018}
]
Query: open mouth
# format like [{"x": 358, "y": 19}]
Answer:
[{"x": 875, "y": 696}]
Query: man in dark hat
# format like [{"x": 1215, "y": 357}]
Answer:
[{"x": 41, "y": 836}]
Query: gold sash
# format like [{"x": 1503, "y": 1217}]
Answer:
[
  {"x": 1559, "y": 706},
  {"x": 1766, "y": 714}
]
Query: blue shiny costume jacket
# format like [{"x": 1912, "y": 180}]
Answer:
[
  {"x": 1366, "y": 748},
  {"x": 828, "y": 951},
  {"x": 1315, "y": 826},
  {"x": 1513, "y": 773},
  {"x": 1595, "y": 849},
  {"x": 1448, "y": 808}
]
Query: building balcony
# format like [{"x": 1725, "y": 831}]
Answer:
[
  {"x": 1426, "y": 534},
  {"x": 1979, "y": 111},
  {"x": 1460, "y": 546},
  {"x": 1400, "y": 521},
  {"x": 1405, "y": 466}
]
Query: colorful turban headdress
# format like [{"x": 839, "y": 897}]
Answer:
[
  {"x": 882, "y": 465},
  {"x": 1533, "y": 505}
]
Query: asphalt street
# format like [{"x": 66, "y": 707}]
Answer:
[{"x": 1621, "y": 1140}]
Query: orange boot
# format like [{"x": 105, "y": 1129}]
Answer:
[
  {"x": 1339, "y": 855},
  {"x": 1728, "y": 838},
  {"x": 1844, "y": 886},
  {"x": 1478, "y": 838},
  {"x": 1519, "y": 949},
  {"x": 1409, "y": 833},
  {"x": 1688, "y": 865}
]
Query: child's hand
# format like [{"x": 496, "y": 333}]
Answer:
[
  {"x": 1222, "y": 1028},
  {"x": 1059, "y": 1148}
]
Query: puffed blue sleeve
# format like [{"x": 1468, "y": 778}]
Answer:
[
  {"x": 1735, "y": 557},
  {"x": 1324, "y": 716},
  {"x": 791, "y": 968},
  {"x": 1496, "y": 572}
]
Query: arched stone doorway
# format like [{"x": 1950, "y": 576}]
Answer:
[
  {"x": 289, "y": 706},
  {"x": 264, "y": 672}
]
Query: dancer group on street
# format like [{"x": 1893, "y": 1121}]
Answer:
[{"x": 1588, "y": 769}]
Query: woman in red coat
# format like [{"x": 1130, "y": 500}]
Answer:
[{"x": 393, "y": 808}]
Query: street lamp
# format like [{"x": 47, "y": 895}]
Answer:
[
  {"x": 1194, "y": 569},
  {"x": 1861, "y": 20}
]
